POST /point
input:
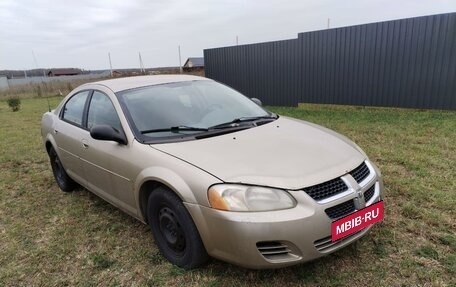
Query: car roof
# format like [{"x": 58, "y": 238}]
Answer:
[{"x": 121, "y": 84}]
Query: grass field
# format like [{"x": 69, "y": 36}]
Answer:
[{"x": 51, "y": 238}]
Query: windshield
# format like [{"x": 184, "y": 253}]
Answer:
[{"x": 186, "y": 108}]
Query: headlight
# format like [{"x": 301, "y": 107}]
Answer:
[{"x": 236, "y": 197}]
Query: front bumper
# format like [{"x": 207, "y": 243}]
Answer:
[{"x": 275, "y": 238}]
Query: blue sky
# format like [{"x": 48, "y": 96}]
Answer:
[{"x": 81, "y": 33}]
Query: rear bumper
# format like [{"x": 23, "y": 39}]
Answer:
[{"x": 276, "y": 238}]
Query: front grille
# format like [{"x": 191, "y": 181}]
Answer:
[
  {"x": 368, "y": 194},
  {"x": 341, "y": 209},
  {"x": 273, "y": 250},
  {"x": 326, "y": 189},
  {"x": 360, "y": 173}
]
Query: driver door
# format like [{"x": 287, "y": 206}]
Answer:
[{"x": 104, "y": 161}]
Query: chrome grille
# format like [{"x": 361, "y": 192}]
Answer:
[
  {"x": 368, "y": 194},
  {"x": 326, "y": 189},
  {"x": 360, "y": 173},
  {"x": 341, "y": 209}
]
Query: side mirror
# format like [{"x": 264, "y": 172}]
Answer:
[
  {"x": 107, "y": 133},
  {"x": 257, "y": 101}
]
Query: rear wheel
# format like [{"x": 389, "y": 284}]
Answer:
[
  {"x": 174, "y": 231},
  {"x": 64, "y": 182}
]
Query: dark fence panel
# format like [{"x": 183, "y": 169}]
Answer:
[
  {"x": 244, "y": 67},
  {"x": 402, "y": 63}
]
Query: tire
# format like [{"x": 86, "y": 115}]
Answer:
[
  {"x": 64, "y": 182},
  {"x": 174, "y": 231}
]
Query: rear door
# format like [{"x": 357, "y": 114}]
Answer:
[{"x": 68, "y": 133}]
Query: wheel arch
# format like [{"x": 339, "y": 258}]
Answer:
[
  {"x": 145, "y": 191},
  {"x": 162, "y": 178},
  {"x": 50, "y": 143},
  {"x": 48, "y": 146}
]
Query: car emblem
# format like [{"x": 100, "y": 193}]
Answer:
[{"x": 359, "y": 200}]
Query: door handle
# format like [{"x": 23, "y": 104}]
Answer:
[
  {"x": 56, "y": 131},
  {"x": 85, "y": 144}
]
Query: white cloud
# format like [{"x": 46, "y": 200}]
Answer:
[{"x": 81, "y": 33}]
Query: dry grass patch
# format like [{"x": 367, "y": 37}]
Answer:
[{"x": 53, "y": 238}]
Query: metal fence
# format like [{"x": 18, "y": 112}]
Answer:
[
  {"x": 402, "y": 63},
  {"x": 6, "y": 84}
]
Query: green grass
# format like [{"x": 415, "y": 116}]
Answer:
[{"x": 52, "y": 238}]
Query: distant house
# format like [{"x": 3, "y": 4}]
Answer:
[
  {"x": 116, "y": 73},
  {"x": 194, "y": 63},
  {"x": 63, "y": 72}
]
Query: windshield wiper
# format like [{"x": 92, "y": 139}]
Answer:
[
  {"x": 236, "y": 121},
  {"x": 175, "y": 129},
  {"x": 232, "y": 124}
]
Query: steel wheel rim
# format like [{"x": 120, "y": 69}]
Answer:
[
  {"x": 171, "y": 230},
  {"x": 58, "y": 168}
]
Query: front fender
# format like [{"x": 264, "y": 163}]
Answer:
[{"x": 167, "y": 177}]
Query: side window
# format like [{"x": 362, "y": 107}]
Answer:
[
  {"x": 102, "y": 112},
  {"x": 74, "y": 108}
]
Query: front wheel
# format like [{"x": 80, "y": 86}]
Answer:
[{"x": 174, "y": 231}]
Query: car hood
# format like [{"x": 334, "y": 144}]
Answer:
[{"x": 286, "y": 153}]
